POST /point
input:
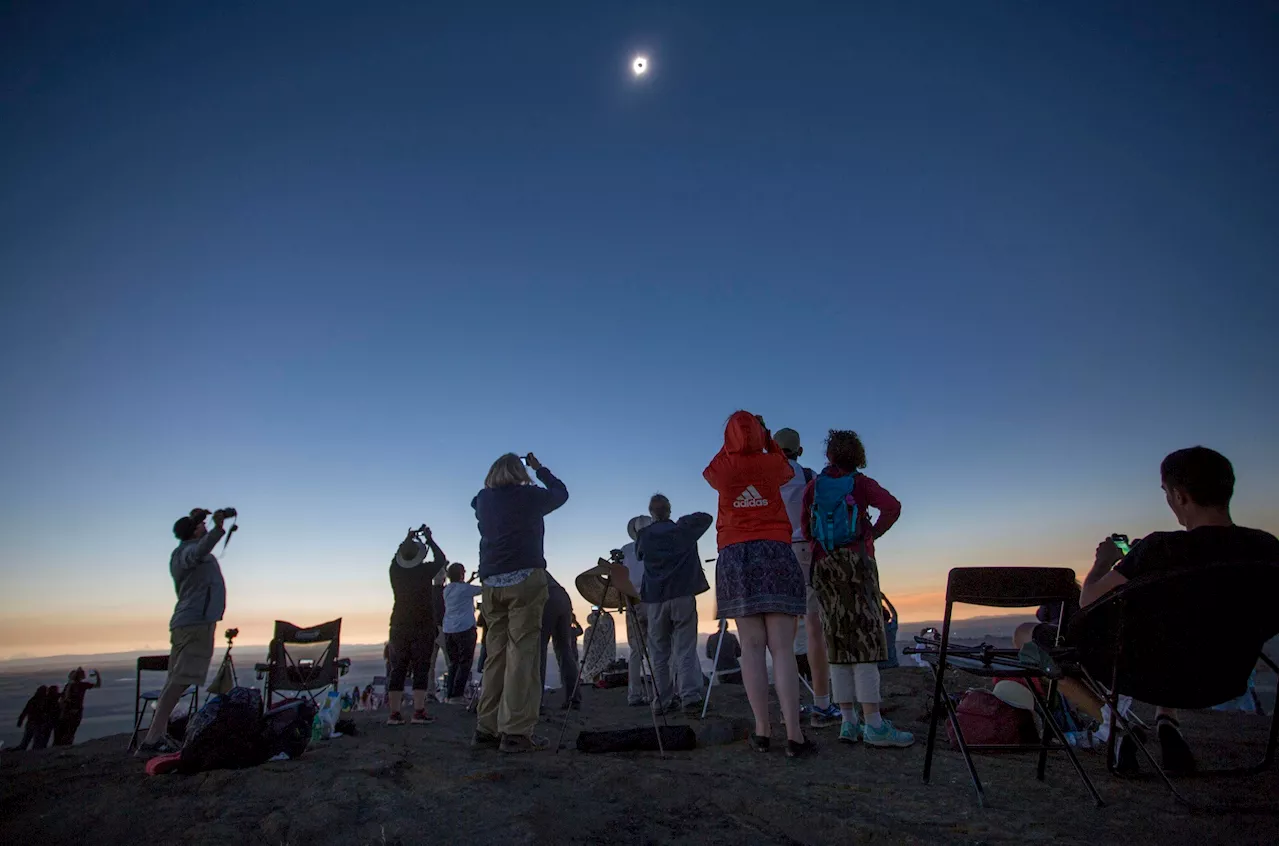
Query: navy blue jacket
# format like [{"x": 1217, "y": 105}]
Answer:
[
  {"x": 510, "y": 522},
  {"x": 672, "y": 568}
]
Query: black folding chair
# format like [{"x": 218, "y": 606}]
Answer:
[
  {"x": 302, "y": 661},
  {"x": 143, "y": 699},
  {"x": 1156, "y": 639},
  {"x": 1001, "y": 587}
]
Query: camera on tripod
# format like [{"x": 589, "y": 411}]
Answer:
[
  {"x": 616, "y": 556},
  {"x": 230, "y": 635}
]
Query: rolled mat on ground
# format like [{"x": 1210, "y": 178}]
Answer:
[{"x": 674, "y": 739}]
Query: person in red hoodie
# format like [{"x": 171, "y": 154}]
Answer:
[
  {"x": 758, "y": 580},
  {"x": 847, "y": 582}
]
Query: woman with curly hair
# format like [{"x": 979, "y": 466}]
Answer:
[{"x": 847, "y": 582}]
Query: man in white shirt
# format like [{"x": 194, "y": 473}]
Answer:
[
  {"x": 636, "y": 694},
  {"x": 823, "y": 712}
]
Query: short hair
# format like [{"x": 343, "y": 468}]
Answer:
[
  {"x": 1204, "y": 474},
  {"x": 659, "y": 507},
  {"x": 507, "y": 470},
  {"x": 845, "y": 450},
  {"x": 455, "y": 571}
]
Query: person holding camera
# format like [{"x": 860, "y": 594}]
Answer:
[
  {"x": 414, "y": 629},
  {"x": 673, "y": 578},
  {"x": 202, "y": 599},
  {"x": 513, "y": 578}
]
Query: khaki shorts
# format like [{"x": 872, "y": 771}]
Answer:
[
  {"x": 190, "y": 652},
  {"x": 804, "y": 554}
]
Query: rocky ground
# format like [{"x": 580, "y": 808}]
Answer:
[{"x": 424, "y": 785}]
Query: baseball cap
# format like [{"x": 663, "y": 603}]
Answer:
[
  {"x": 788, "y": 439},
  {"x": 183, "y": 527}
]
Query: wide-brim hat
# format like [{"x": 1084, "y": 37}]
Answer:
[
  {"x": 411, "y": 554},
  {"x": 607, "y": 585},
  {"x": 1015, "y": 694}
]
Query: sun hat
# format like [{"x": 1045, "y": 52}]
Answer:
[
  {"x": 1015, "y": 694},
  {"x": 788, "y": 439},
  {"x": 635, "y": 524},
  {"x": 607, "y": 585},
  {"x": 411, "y": 554}
]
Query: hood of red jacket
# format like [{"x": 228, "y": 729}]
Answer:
[{"x": 743, "y": 434}]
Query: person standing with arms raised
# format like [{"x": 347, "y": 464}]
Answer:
[
  {"x": 513, "y": 578},
  {"x": 758, "y": 580},
  {"x": 673, "y": 578},
  {"x": 202, "y": 600},
  {"x": 414, "y": 626}
]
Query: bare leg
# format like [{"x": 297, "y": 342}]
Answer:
[
  {"x": 781, "y": 629},
  {"x": 1070, "y": 689},
  {"x": 169, "y": 698},
  {"x": 755, "y": 677},
  {"x": 395, "y": 696},
  {"x": 419, "y": 700}
]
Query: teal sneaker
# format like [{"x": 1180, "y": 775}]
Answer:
[
  {"x": 850, "y": 732},
  {"x": 886, "y": 735}
]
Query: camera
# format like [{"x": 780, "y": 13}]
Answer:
[
  {"x": 616, "y": 556},
  {"x": 231, "y": 634},
  {"x": 229, "y": 512}
]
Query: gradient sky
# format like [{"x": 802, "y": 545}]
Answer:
[{"x": 325, "y": 262}]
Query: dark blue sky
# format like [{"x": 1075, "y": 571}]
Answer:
[{"x": 327, "y": 261}]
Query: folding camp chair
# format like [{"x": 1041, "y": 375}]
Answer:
[
  {"x": 1156, "y": 640},
  {"x": 302, "y": 661},
  {"x": 143, "y": 699},
  {"x": 1001, "y": 587}
]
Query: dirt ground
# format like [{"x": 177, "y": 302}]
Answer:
[{"x": 413, "y": 785}]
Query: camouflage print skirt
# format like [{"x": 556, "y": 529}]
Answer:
[{"x": 848, "y": 587}]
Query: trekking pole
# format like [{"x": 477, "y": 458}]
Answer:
[{"x": 706, "y": 702}]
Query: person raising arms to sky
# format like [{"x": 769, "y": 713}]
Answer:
[{"x": 758, "y": 580}]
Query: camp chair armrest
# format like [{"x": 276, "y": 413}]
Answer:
[
  {"x": 261, "y": 670},
  {"x": 343, "y": 665}
]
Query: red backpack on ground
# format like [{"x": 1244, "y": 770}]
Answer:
[{"x": 985, "y": 719}]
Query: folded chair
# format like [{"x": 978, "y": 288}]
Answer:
[
  {"x": 1158, "y": 640},
  {"x": 143, "y": 699},
  {"x": 302, "y": 662},
  {"x": 1000, "y": 587}
]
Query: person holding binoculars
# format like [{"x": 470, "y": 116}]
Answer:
[{"x": 202, "y": 599}]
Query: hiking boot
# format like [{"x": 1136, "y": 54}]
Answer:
[
  {"x": 759, "y": 743},
  {"x": 636, "y": 703},
  {"x": 484, "y": 740},
  {"x": 1175, "y": 754},
  {"x": 420, "y": 718},
  {"x": 692, "y": 710},
  {"x": 850, "y": 733},
  {"x": 395, "y": 719},
  {"x": 823, "y": 717},
  {"x": 512, "y": 743},
  {"x": 886, "y": 735},
  {"x": 801, "y": 750}
]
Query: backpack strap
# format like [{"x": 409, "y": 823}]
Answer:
[{"x": 808, "y": 475}]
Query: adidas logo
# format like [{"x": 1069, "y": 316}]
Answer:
[{"x": 750, "y": 498}]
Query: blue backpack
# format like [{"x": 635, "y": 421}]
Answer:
[{"x": 834, "y": 518}]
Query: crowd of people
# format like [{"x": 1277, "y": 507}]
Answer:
[
  {"x": 55, "y": 715},
  {"x": 794, "y": 547}
]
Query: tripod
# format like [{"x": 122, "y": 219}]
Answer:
[
  {"x": 629, "y": 608},
  {"x": 225, "y": 678}
]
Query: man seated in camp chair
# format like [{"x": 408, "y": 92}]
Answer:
[{"x": 1198, "y": 484}]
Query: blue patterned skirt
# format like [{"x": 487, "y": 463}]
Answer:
[{"x": 758, "y": 577}]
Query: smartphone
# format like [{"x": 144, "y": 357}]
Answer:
[{"x": 1122, "y": 543}]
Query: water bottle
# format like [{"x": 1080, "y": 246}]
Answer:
[{"x": 317, "y": 728}]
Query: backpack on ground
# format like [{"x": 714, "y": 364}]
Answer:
[
  {"x": 834, "y": 518},
  {"x": 287, "y": 728},
  {"x": 225, "y": 733},
  {"x": 985, "y": 719}
]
